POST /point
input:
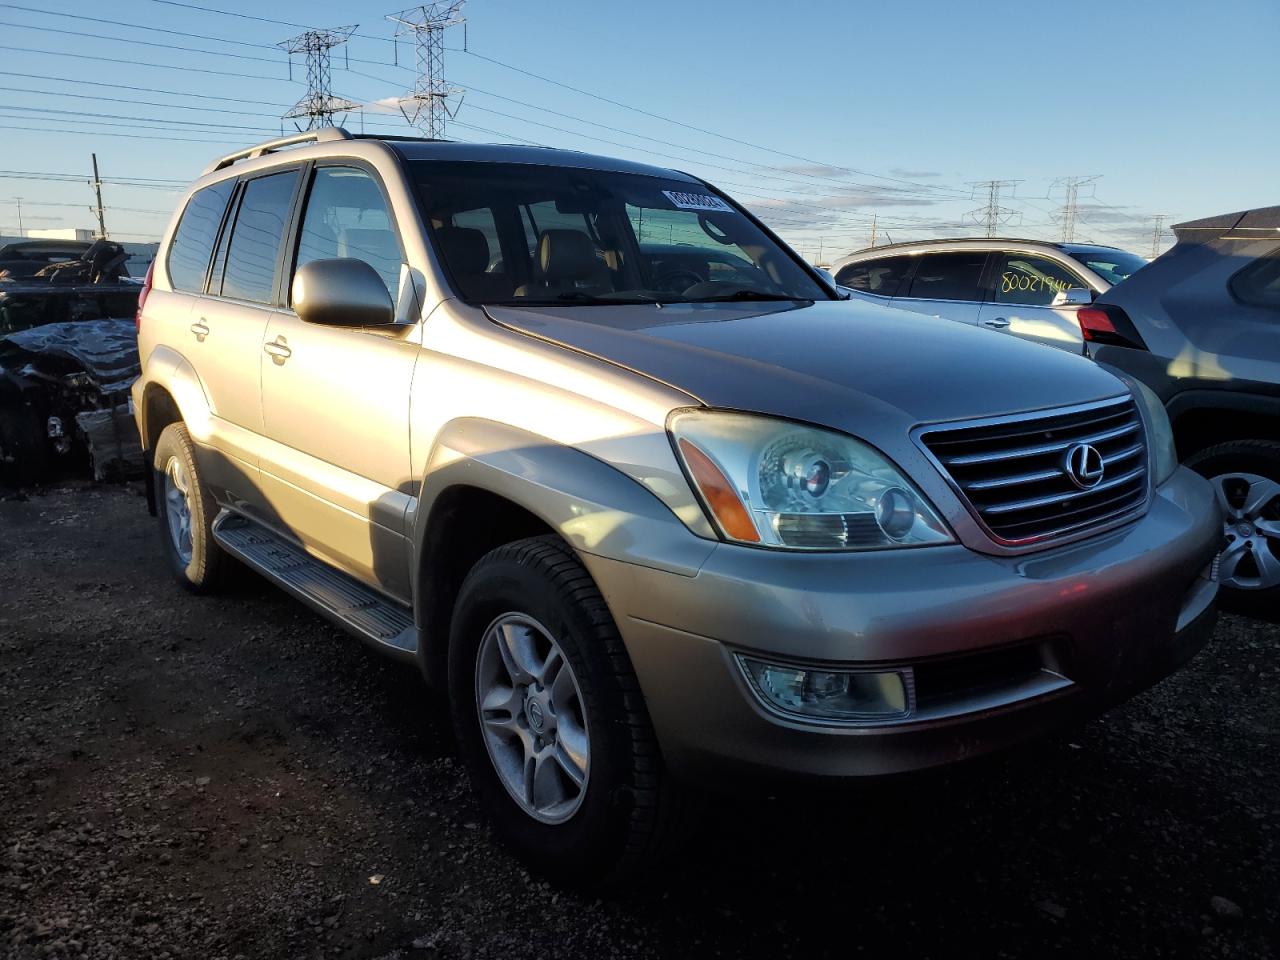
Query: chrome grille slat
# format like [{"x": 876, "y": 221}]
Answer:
[
  {"x": 1011, "y": 470},
  {"x": 1019, "y": 453}
]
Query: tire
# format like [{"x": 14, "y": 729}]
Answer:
[
  {"x": 1245, "y": 475},
  {"x": 196, "y": 560},
  {"x": 628, "y": 814}
]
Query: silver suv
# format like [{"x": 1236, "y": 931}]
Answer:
[
  {"x": 1027, "y": 288},
  {"x": 637, "y": 490}
]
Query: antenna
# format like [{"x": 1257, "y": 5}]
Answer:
[
  {"x": 319, "y": 105},
  {"x": 427, "y": 104}
]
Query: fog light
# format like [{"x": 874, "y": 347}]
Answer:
[{"x": 832, "y": 695}]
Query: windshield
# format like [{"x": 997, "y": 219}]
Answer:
[
  {"x": 1110, "y": 264},
  {"x": 524, "y": 234}
]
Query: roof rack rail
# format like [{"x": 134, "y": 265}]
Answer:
[{"x": 323, "y": 135}]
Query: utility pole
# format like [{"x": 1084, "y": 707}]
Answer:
[
  {"x": 427, "y": 104},
  {"x": 1071, "y": 194},
  {"x": 1157, "y": 232},
  {"x": 98, "y": 210},
  {"x": 319, "y": 105},
  {"x": 873, "y": 230},
  {"x": 18, "y": 202},
  {"x": 992, "y": 215}
]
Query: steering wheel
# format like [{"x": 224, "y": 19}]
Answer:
[{"x": 676, "y": 280}]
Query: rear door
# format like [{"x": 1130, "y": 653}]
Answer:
[
  {"x": 227, "y": 323},
  {"x": 879, "y": 278},
  {"x": 335, "y": 400},
  {"x": 1023, "y": 286},
  {"x": 946, "y": 284}
]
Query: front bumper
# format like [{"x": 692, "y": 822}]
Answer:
[{"x": 1012, "y": 647}]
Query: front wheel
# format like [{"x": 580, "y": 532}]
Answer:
[
  {"x": 550, "y": 718},
  {"x": 1245, "y": 475}
]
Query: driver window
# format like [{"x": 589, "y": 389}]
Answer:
[
  {"x": 1031, "y": 281},
  {"x": 347, "y": 216}
]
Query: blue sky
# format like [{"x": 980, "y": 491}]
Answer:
[{"x": 818, "y": 115}]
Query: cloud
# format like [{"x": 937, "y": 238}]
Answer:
[
  {"x": 814, "y": 170},
  {"x": 913, "y": 174}
]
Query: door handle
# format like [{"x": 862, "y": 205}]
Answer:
[
  {"x": 278, "y": 349},
  {"x": 997, "y": 323},
  {"x": 200, "y": 329}
]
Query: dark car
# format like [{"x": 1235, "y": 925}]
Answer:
[{"x": 1200, "y": 326}]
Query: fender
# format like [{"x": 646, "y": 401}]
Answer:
[
  {"x": 168, "y": 369},
  {"x": 1240, "y": 400},
  {"x": 596, "y": 508}
]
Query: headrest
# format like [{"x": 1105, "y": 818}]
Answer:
[
  {"x": 377, "y": 244},
  {"x": 564, "y": 255},
  {"x": 465, "y": 250}
]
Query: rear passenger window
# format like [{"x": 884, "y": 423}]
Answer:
[
  {"x": 880, "y": 277},
  {"x": 949, "y": 276},
  {"x": 254, "y": 250},
  {"x": 1258, "y": 284},
  {"x": 347, "y": 217},
  {"x": 196, "y": 234}
]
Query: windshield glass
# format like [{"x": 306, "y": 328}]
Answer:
[
  {"x": 525, "y": 234},
  {"x": 1110, "y": 264}
]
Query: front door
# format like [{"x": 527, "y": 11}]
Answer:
[
  {"x": 335, "y": 400},
  {"x": 1023, "y": 287}
]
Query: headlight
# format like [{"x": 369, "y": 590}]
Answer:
[
  {"x": 780, "y": 484},
  {"x": 1164, "y": 452}
]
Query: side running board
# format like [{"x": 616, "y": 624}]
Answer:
[{"x": 364, "y": 612}]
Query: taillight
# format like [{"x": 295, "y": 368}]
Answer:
[
  {"x": 143, "y": 294},
  {"x": 1109, "y": 325}
]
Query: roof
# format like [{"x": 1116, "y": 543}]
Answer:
[
  {"x": 984, "y": 241},
  {"x": 1244, "y": 225},
  {"x": 415, "y": 148}
]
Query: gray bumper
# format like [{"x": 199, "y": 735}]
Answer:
[{"x": 1011, "y": 646}]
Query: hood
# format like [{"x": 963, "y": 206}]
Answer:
[
  {"x": 107, "y": 350},
  {"x": 835, "y": 363}
]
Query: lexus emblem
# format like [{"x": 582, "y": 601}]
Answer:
[{"x": 1083, "y": 465}]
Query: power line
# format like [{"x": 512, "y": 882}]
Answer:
[
  {"x": 143, "y": 63},
  {"x": 121, "y": 86},
  {"x": 140, "y": 103},
  {"x": 142, "y": 43}
]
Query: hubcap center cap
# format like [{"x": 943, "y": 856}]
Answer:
[
  {"x": 1244, "y": 528},
  {"x": 537, "y": 717}
]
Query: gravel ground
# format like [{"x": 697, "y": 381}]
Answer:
[{"x": 232, "y": 777}]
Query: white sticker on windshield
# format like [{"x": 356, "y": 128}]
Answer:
[{"x": 697, "y": 201}]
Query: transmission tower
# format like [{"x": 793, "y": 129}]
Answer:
[
  {"x": 1070, "y": 208},
  {"x": 319, "y": 105},
  {"x": 992, "y": 215},
  {"x": 427, "y": 104},
  {"x": 1157, "y": 234}
]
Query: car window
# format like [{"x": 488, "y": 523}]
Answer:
[
  {"x": 572, "y": 236},
  {"x": 196, "y": 234},
  {"x": 880, "y": 277},
  {"x": 949, "y": 276},
  {"x": 347, "y": 216},
  {"x": 1258, "y": 284},
  {"x": 254, "y": 247},
  {"x": 1031, "y": 281},
  {"x": 1110, "y": 264}
]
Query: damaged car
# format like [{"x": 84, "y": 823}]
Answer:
[{"x": 68, "y": 354}]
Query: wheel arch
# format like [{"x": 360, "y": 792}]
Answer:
[
  {"x": 1205, "y": 418},
  {"x": 488, "y": 484}
]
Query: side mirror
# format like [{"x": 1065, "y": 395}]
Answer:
[
  {"x": 342, "y": 293},
  {"x": 1072, "y": 297},
  {"x": 842, "y": 292}
]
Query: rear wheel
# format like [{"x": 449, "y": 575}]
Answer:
[
  {"x": 186, "y": 513},
  {"x": 550, "y": 718},
  {"x": 1245, "y": 476}
]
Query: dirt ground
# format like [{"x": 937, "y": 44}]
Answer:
[{"x": 233, "y": 777}]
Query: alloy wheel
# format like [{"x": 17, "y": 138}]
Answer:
[
  {"x": 532, "y": 718},
  {"x": 1251, "y": 523},
  {"x": 177, "y": 506}
]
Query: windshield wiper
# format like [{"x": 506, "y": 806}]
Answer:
[{"x": 747, "y": 295}]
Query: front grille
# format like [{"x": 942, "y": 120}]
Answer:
[{"x": 1013, "y": 471}]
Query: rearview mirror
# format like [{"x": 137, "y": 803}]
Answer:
[
  {"x": 1072, "y": 297},
  {"x": 342, "y": 292}
]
